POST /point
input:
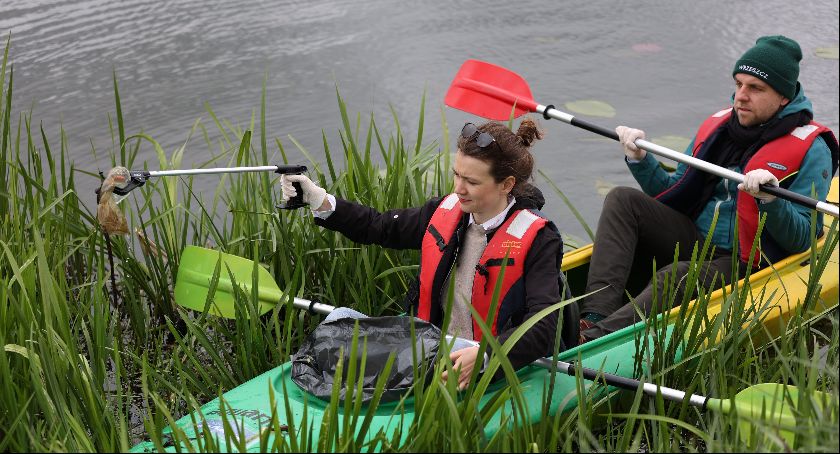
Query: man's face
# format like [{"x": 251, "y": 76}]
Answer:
[{"x": 755, "y": 101}]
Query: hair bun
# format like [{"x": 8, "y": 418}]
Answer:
[{"x": 528, "y": 132}]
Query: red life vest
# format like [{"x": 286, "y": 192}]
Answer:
[
  {"x": 512, "y": 240},
  {"x": 782, "y": 157}
]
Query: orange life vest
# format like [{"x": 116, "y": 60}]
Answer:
[
  {"x": 782, "y": 157},
  {"x": 508, "y": 246}
]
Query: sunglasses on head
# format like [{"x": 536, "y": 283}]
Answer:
[{"x": 483, "y": 140}]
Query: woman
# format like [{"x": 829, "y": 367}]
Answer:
[{"x": 466, "y": 237}]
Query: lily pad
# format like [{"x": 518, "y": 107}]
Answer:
[
  {"x": 547, "y": 39},
  {"x": 622, "y": 52},
  {"x": 830, "y": 53},
  {"x": 649, "y": 48},
  {"x": 668, "y": 166},
  {"x": 592, "y": 108},
  {"x": 676, "y": 143},
  {"x": 603, "y": 187}
]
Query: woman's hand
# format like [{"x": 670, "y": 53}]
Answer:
[
  {"x": 463, "y": 363},
  {"x": 313, "y": 195}
]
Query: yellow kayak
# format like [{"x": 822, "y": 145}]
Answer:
[{"x": 778, "y": 289}]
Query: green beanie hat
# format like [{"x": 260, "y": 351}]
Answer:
[{"x": 775, "y": 60}]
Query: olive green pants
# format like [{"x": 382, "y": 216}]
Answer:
[{"x": 635, "y": 234}]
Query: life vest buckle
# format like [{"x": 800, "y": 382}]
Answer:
[{"x": 441, "y": 243}]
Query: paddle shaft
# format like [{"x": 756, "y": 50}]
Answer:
[
  {"x": 564, "y": 367},
  {"x": 705, "y": 166},
  {"x": 618, "y": 381}
]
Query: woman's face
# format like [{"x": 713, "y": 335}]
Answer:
[{"x": 478, "y": 192}]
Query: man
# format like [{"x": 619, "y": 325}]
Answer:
[{"x": 768, "y": 135}]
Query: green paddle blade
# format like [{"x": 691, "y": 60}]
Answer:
[
  {"x": 768, "y": 406},
  {"x": 195, "y": 279}
]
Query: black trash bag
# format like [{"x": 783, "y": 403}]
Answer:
[{"x": 314, "y": 364}]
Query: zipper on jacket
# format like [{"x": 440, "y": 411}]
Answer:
[
  {"x": 717, "y": 209},
  {"x": 451, "y": 267}
]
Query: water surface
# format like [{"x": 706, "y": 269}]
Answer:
[{"x": 663, "y": 66}]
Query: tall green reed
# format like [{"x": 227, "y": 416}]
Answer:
[{"x": 56, "y": 326}]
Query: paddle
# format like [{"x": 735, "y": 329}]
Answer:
[
  {"x": 494, "y": 92},
  {"x": 766, "y": 401},
  {"x": 198, "y": 266}
]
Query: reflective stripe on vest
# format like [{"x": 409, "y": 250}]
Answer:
[{"x": 512, "y": 241}]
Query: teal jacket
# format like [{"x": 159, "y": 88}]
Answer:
[{"x": 787, "y": 222}]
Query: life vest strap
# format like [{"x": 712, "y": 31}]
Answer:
[{"x": 441, "y": 243}]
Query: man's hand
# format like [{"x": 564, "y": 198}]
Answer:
[
  {"x": 627, "y": 137},
  {"x": 753, "y": 179}
]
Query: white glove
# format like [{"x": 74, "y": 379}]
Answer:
[
  {"x": 627, "y": 137},
  {"x": 756, "y": 177},
  {"x": 313, "y": 195}
]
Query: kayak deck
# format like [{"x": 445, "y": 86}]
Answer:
[{"x": 249, "y": 406}]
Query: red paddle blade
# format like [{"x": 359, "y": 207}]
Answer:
[{"x": 489, "y": 91}]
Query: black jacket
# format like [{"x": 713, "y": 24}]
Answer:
[{"x": 405, "y": 228}]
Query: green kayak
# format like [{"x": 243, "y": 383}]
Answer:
[
  {"x": 250, "y": 406},
  {"x": 246, "y": 415}
]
